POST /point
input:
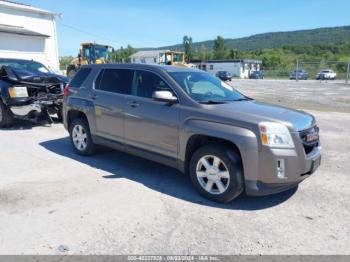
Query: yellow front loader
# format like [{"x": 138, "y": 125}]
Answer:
[
  {"x": 90, "y": 53},
  {"x": 175, "y": 58}
]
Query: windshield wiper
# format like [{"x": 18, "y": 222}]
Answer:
[
  {"x": 213, "y": 102},
  {"x": 242, "y": 99}
]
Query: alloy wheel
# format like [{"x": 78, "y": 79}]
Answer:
[
  {"x": 79, "y": 137},
  {"x": 212, "y": 174}
]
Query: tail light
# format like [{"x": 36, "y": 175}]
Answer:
[{"x": 66, "y": 90}]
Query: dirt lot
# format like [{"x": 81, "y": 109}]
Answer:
[{"x": 55, "y": 202}]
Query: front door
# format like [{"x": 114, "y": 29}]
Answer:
[{"x": 150, "y": 125}]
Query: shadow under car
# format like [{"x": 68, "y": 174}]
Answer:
[{"x": 158, "y": 177}]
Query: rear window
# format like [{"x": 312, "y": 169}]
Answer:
[
  {"x": 80, "y": 77},
  {"x": 115, "y": 80}
]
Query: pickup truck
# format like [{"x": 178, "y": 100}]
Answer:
[
  {"x": 189, "y": 120},
  {"x": 327, "y": 74},
  {"x": 28, "y": 90}
]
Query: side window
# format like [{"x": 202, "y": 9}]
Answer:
[
  {"x": 80, "y": 77},
  {"x": 146, "y": 83},
  {"x": 115, "y": 80}
]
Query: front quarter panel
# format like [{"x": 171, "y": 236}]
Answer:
[{"x": 243, "y": 138}]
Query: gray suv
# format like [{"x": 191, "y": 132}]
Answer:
[{"x": 187, "y": 119}]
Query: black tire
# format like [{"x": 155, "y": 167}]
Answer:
[
  {"x": 232, "y": 162},
  {"x": 60, "y": 114},
  {"x": 90, "y": 147},
  {"x": 6, "y": 116}
]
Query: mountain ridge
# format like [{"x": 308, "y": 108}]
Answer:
[{"x": 317, "y": 36}]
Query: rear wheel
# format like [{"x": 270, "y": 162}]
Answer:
[
  {"x": 81, "y": 137},
  {"x": 6, "y": 117},
  {"x": 216, "y": 172}
]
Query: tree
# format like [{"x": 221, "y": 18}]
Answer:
[
  {"x": 202, "y": 53},
  {"x": 234, "y": 54},
  {"x": 122, "y": 55},
  {"x": 188, "y": 47},
  {"x": 65, "y": 61},
  {"x": 220, "y": 50}
]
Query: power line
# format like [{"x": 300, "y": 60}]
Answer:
[{"x": 88, "y": 33}]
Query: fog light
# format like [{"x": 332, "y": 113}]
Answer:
[{"x": 280, "y": 169}]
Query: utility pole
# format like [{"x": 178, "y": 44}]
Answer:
[
  {"x": 297, "y": 72},
  {"x": 348, "y": 73}
]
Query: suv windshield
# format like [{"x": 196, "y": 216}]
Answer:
[
  {"x": 24, "y": 65},
  {"x": 204, "y": 88}
]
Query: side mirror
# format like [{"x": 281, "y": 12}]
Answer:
[{"x": 164, "y": 96}]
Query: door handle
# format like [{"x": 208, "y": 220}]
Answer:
[
  {"x": 133, "y": 104},
  {"x": 93, "y": 96}
]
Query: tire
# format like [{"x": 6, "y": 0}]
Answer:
[
  {"x": 6, "y": 117},
  {"x": 224, "y": 187},
  {"x": 79, "y": 131},
  {"x": 60, "y": 114}
]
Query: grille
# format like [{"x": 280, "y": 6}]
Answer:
[{"x": 310, "y": 138}]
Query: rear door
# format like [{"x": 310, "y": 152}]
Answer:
[
  {"x": 111, "y": 86},
  {"x": 151, "y": 125}
]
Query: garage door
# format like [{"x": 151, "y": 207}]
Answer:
[{"x": 23, "y": 47}]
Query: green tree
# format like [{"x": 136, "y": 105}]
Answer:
[
  {"x": 202, "y": 53},
  {"x": 122, "y": 55},
  {"x": 220, "y": 50},
  {"x": 234, "y": 54},
  {"x": 188, "y": 47},
  {"x": 65, "y": 61}
]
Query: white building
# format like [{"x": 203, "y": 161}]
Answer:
[
  {"x": 149, "y": 57},
  {"x": 27, "y": 32},
  {"x": 237, "y": 67}
]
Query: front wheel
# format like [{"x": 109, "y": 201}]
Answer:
[
  {"x": 6, "y": 117},
  {"x": 216, "y": 172},
  {"x": 60, "y": 114},
  {"x": 80, "y": 137}
]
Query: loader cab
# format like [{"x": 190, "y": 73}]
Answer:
[
  {"x": 173, "y": 58},
  {"x": 94, "y": 53}
]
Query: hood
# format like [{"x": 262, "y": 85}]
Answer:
[
  {"x": 35, "y": 76},
  {"x": 255, "y": 112}
]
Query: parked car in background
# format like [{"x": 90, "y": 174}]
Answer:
[
  {"x": 224, "y": 75},
  {"x": 28, "y": 90},
  {"x": 256, "y": 75},
  {"x": 299, "y": 74},
  {"x": 187, "y": 119},
  {"x": 326, "y": 74}
]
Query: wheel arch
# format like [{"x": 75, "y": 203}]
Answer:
[
  {"x": 242, "y": 140},
  {"x": 74, "y": 114}
]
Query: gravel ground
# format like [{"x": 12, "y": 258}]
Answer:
[
  {"x": 55, "y": 202},
  {"x": 310, "y": 94}
]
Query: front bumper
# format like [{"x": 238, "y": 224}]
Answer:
[
  {"x": 282, "y": 169},
  {"x": 25, "y": 110},
  {"x": 29, "y": 108}
]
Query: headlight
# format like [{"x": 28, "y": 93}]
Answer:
[
  {"x": 275, "y": 135},
  {"x": 18, "y": 91}
]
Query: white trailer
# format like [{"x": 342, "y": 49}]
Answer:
[
  {"x": 237, "y": 67},
  {"x": 149, "y": 57}
]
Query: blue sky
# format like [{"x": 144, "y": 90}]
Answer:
[{"x": 154, "y": 23}]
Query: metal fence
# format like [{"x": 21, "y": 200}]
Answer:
[{"x": 342, "y": 68}]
